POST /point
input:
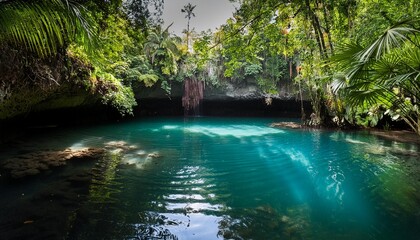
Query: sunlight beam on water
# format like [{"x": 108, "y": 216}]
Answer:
[
  {"x": 299, "y": 158},
  {"x": 170, "y": 127},
  {"x": 237, "y": 131},
  {"x": 330, "y": 185},
  {"x": 329, "y": 182}
]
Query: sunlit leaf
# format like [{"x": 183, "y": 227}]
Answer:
[{"x": 43, "y": 26}]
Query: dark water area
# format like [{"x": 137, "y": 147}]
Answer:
[
  {"x": 213, "y": 178},
  {"x": 225, "y": 107}
]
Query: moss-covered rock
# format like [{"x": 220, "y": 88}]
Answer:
[
  {"x": 29, "y": 84},
  {"x": 34, "y": 99}
]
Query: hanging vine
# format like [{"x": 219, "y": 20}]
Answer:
[{"x": 193, "y": 94}]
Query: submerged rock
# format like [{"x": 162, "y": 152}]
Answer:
[
  {"x": 123, "y": 145},
  {"x": 285, "y": 219},
  {"x": 153, "y": 155},
  {"x": 292, "y": 125},
  {"x": 24, "y": 173},
  {"x": 34, "y": 163},
  {"x": 141, "y": 153}
]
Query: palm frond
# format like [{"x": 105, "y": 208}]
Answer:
[
  {"x": 371, "y": 97},
  {"x": 390, "y": 39},
  {"x": 348, "y": 62},
  {"x": 360, "y": 85},
  {"x": 347, "y": 52},
  {"x": 360, "y": 97},
  {"x": 411, "y": 56},
  {"x": 367, "y": 93},
  {"x": 44, "y": 26},
  {"x": 389, "y": 66},
  {"x": 339, "y": 82},
  {"x": 357, "y": 71},
  {"x": 401, "y": 67},
  {"x": 399, "y": 80}
]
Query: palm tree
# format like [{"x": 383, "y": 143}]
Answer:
[
  {"x": 162, "y": 50},
  {"x": 188, "y": 9},
  {"x": 43, "y": 26},
  {"x": 386, "y": 72}
]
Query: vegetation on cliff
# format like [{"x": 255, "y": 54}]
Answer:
[
  {"x": 92, "y": 49},
  {"x": 357, "y": 61}
]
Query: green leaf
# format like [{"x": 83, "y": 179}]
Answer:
[
  {"x": 148, "y": 79},
  {"x": 43, "y": 26}
]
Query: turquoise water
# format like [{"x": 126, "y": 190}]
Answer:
[{"x": 219, "y": 178}]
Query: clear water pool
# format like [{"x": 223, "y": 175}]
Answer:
[{"x": 216, "y": 178}]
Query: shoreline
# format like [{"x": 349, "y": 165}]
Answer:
[
  {"x": 393, "y": 135},
  {"x": 399, "y": 136}
]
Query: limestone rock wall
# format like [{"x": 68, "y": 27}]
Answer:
[{"x": 240, "y": 90}]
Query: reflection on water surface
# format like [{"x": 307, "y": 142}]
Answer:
[{"x": 215, "y": 178}]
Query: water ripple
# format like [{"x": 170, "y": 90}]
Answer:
[{"x": 239, "y": 179}]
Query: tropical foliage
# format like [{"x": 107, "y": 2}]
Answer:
[
  {"x": 356, "y": 61},
  {"x": 49, "y": 46},
  {"x": 384, "y": 74},
  {"x": 44, "y": 26}
]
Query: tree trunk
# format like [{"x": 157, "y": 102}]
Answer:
[
  {"x": 317, "y": 28},
  {"x": 302, "y": 110},
  {"x": 327, "y": 26}
]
